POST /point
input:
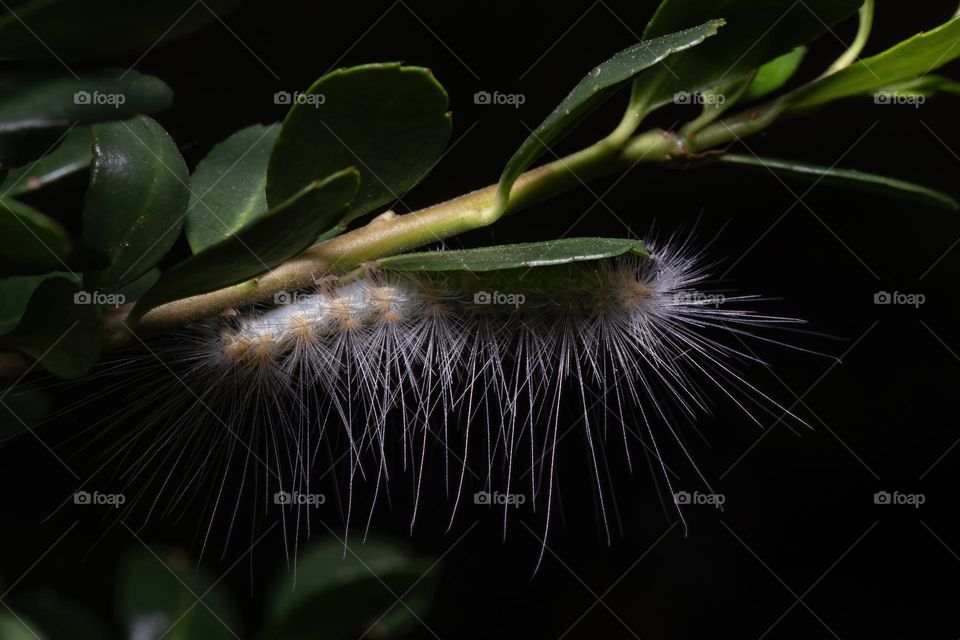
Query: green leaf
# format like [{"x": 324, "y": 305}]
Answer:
[
  {"x": 757, "y": 32},
  {"x": 848, "y": 178},
  {"x": 72, "y": 156},
  {"x": 596, "y": 87},
  {"x": 284, "y": 232},
  {"x": 136, "y": 201},
  {"x": 774, "y": 74},
  {"x": 229, "y": 186},
  {"x": 94, "y": 28},
  {"x": 344, "y": 594},
  {"x": 37, "y": 108},
  {"x": 513, "y": 256},
  {"x": 926, "y": 86},
  {"x": 60, "y": 329},
  {"x": 32, "y": 243},
  {"x": 159, "y": 593},
  {"x": 389, "y": 121},
  {"x": 916, "y": 56},
  {"x": 15, "y": 292}
]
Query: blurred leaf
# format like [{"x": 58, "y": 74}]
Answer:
[
  {"x": 229, "y": 186},
  {"x": 389, "y": 121},
  {"x": 513, "y": 256},
  {"x": 73, "y": 155},
  {"x": 333, "y": 595},
  {"x": 598, "y": 85},
  {"x": 94, "y": 28},
  {"x": 12, "y": 628},
  {"x": 281, "y": 234},
  {"x": 926, "y": 86},
  {"x": 849, "y": 179},
  {"x": 32, "y": 243},
  {"x": 15, "y": 292},
  {"x": 58, "y": 329},
  {"x": 60, "y": 618},
  {"x": 757, "y": 32},
  {"x": 136, "y": 200},
  {"x": 37, "y": 108},
  {"x": 160, "y": 593},
  {"x": 774, "y": 74},
  {"x": 916, "y": 56}
]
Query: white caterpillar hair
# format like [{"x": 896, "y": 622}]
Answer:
[{"x": 471, "y": 371}]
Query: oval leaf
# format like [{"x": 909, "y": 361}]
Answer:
[
  {"x": 136, "y": 201},
  {"x": 348, "y": 594},
  {"x": 514, "y": 256},
  {"x": 919, "y": 55},
  {"x": 72, "y": 156},
  {"x": 389, "y": 121},
  {"x": 32, "y": 243},
  {"x": 592, "y": 90},
  {"x": 38, "y": 108},
  {"x": 70, "y": 29},
  {"x": 281, "y": 234},
  {"x": 848, "y": 178},
  {"x": 60, "y": 328},
  {"x": 158, "y": 598},
  {"x": 774, "y": 74},
  {"x": 15, "y": 293},
  {"x": 229, "y": 186}
]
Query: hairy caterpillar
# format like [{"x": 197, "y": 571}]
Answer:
[{"x": 390, "y": 373}]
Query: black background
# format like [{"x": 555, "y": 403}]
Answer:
[{"x": 801, "y": 550}]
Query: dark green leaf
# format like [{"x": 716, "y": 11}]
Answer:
[
  {"x": 92, "y": 28},
  {"x": 848, "y": 178},
  {"x": 60, "y": 328},
  {"x": 38, "y": 108},
  {"x": 135, "y": 290},
  {"x": 73, "y": 155},
  {"x": 344, "y": 595},
  {"x": 15, "y": 292},
  {"x": 158, "y": 596},
  {"x": 757, "y": 32},
  {"x": 917, "y": 56},
  {"x": 593, "y": 90},
  {"x": 389, "y": 121},
  {"x": 512, "y": 256},
  {"x": 32, "y": 243},
  {"x": 774, "y": 74},
  {"x": 136, "y": 201},
  {"x": 229, "y": 186},
  {"x": 284, "y": 232}
]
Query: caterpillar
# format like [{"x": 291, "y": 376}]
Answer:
[{"x": 471, "y": 372}]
